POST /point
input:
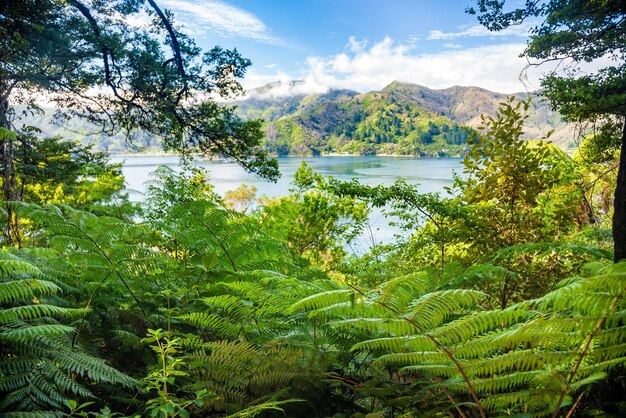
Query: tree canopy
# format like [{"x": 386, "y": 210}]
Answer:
[
  {"x": 92, "y": 59},
  {"x": 572, "y": 33}
]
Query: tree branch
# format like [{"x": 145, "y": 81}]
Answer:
[{"x": 106, "y": 51}]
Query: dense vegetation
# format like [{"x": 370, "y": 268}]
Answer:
[
  {"x": 366, "y": 124},
  {"x": 503, "y": 297},
  {"x": 502, "y": 300},
  {"x": 401, "y": 119}
]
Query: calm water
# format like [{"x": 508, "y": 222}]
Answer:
[{"x": 428, "y": 174}]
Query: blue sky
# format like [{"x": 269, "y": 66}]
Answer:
[{"x": 359, "y": 44}]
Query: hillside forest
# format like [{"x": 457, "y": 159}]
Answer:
[
  {"x": 504, "y": 296},
  {"x": 401, "y": 119}
]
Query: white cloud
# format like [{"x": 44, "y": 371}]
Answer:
[
  {"x": 283, "y": 85},
  {"x": 479, "y": 30},
  {"x": 356, "y": 46},
  {"x": 365, "y": 68},
  {"x": 220, "y": 18},
  {"x": 451, "y": 45},
  {"x": 137, "y": 20},
  {"x": 413, "y": 39}
]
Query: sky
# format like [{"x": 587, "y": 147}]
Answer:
[{"x": 361, "y": 45}]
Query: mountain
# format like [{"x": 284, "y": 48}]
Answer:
[
  {"x": 344, "y": 121},
  {"x": 50, "y": 124},
  {"x": 464, "y": 105},
  {"x": 402, "y": 118}
]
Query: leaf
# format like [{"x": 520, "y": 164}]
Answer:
[{"x": 210, "y": 261}]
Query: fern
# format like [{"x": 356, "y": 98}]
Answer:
[
  {"x": 237, "y": 371},
  {"x": 531, "y": 357},
  {"x": 41, "y": 369},
  {"x": 255, "y": 410}
]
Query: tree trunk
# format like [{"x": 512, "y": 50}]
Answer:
[
  {"x": 11, "y": 232},
  {"x": 619, "y": 213}
]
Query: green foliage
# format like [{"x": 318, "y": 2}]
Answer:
[
  {"x": 496, "y": 305},
  {"x": 224, "y": 291},
  {"x": 513, "y": 193},
  {"x": 50, "y": 170},
  {"x": 197, "y": 310},
  {"x": 312, "y": 221},
  {"x": 529, "y": 358},
  {"x": 194, "y": 227},
  {"x": 364, "y": 125},
  {"x": 42, "y": 368},
  {"x": 241, "y": 199},
  {"x": 163, "y": 378},
  {"x": 251, "y": 329},
  {"x": 167, "y": 187},
  {"x": 581, "y": 31},
  {"x": 511, "y": 177},
  {"x": 259, "y": 409}
]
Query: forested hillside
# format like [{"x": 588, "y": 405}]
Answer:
[
  {"x": 464, "y": 105},
  {"x": 401, "y": 119},
  {"x": 372, "y": 123}
]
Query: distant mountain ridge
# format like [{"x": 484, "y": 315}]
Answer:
[
  {"x": 402, "y": 118},
  {"x": 464, "y": 105}
]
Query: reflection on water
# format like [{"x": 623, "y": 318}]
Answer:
[{"x": 428, "y": 174}]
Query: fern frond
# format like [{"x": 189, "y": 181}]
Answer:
[
  {"x": 22, "y": 335},
  {"x": 432, "y": 309},
  {"x": 126, "y": 339},
  {"x": 25, "y": 290},
  {"x": 517, "y": 360},
  {"x": 255, "y": 410},
  {"x": 503, "y": 383},
  {"x": 324, "y": 299},
  {"x": 229, "y": 305},
  {"x": 479, "y": 323},
  {"x": 385, "y": 326},
  {"x": 405, "y": 359},
  {"x": 589, "y": 380},
  {"x": 397, "y": 344},
  {"x": 211, "y": 322},
  {"x": 12, "y": 266}
]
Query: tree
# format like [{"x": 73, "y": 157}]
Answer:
[
  {"x": 241, "y": 199},
  {"x": 313, "y": 221},
  {"x": 574, "y": 32},
  {"x": 89, "y": 60},
  {"x": 512, "y": 176},
  {"x": 50, "y": 170}
]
